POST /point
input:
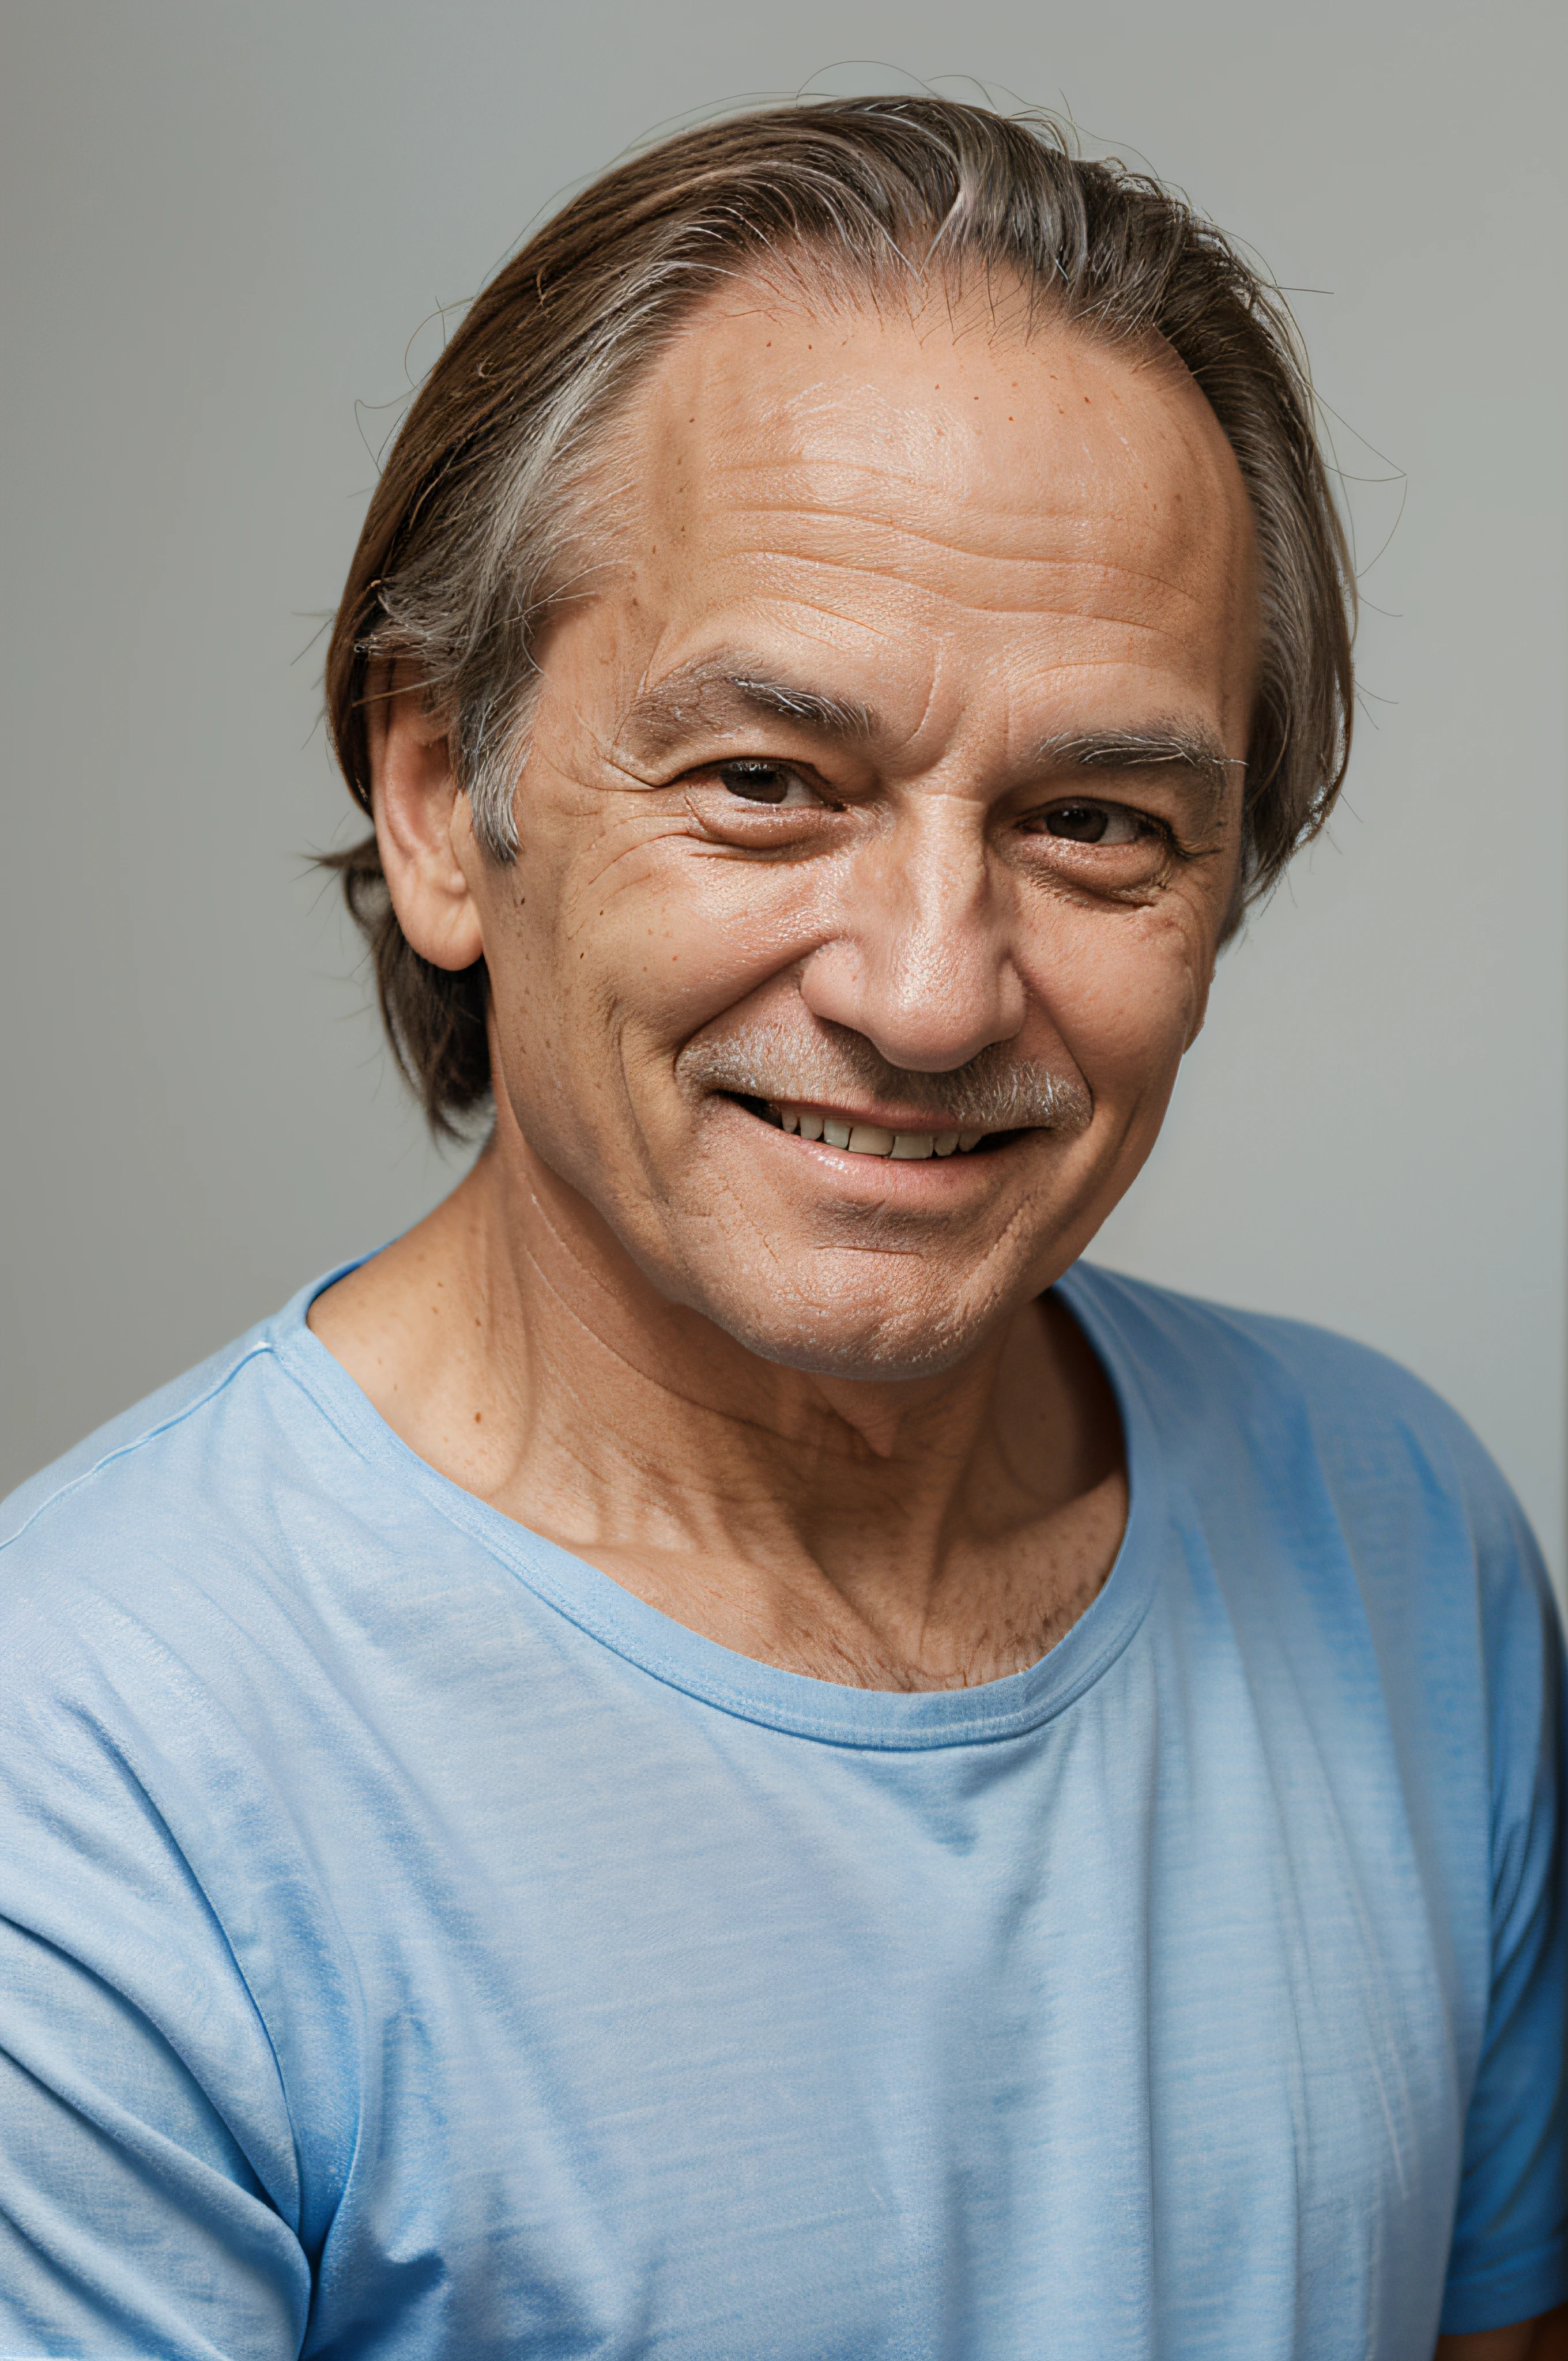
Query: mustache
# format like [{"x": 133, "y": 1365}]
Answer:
[{"x": 995, "y": 1091}]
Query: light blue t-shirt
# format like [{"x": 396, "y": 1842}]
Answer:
[{"x": 416, "y": 1947}]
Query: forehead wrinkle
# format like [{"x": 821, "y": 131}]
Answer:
[
  {"x": 797, "y": 604},
  {"x": 898, "y": 528},
  {"x": 881, "y": 499},
  {"x": 1098, "y": 568},
  {"x": 835, "y": 483},
  {"x": 1086, "y": 612}
]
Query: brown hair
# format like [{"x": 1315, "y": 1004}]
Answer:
[{"x": 475, "y": 526}]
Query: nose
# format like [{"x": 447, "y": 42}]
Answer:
[{"x": 920, "y": 960}]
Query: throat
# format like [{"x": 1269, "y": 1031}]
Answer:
[
  {"x": 997, "y": 1612},
  {"x": 924, "y": 1534}
]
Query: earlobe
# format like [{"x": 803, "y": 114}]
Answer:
[{"x": 424, "y": 829}]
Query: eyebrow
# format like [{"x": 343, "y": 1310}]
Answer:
[
  {"x": 1202, "y": 758},
  {"x": 728, "y": 688}
]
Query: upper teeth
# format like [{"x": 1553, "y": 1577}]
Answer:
[{"x": 870, "y": 1140}]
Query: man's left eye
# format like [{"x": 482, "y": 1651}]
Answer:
[
  {"x": 1086, "y": 823},
  {"x": 773, "y": 783}
]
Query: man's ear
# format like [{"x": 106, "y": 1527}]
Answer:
[{"x": 423, "y": 825}]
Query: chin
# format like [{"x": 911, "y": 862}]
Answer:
[{"x": 869, "y": 1336}]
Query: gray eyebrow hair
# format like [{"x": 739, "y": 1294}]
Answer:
[
  {"x": 1144, "y": 749},
  {"x": 679, "y": 699}
]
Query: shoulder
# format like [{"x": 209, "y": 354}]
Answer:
[
  {"x": 118, "y": 1453},
  {"x": 167, "y": 1520},
  {"x": 1267, "y": 1380},
  {"x": 1358, "y": 1540},
  {"x": 159, "y": 1476},
  {"x": 1306, "y": 1451},
  {"x": 162, "y": 1605},
  {"x": 123, "y": 1569},
  {"x": 1183, "y": 1337}
]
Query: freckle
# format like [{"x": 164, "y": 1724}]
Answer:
[{"x": 478, "y": 1416}]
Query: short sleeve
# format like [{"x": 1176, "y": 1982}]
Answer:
[
  {"x": 1508, "y": 2258},
  {"x": 146, "y": 2161},
  {"x": 131, "y": 2223}
]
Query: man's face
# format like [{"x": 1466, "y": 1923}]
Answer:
[{"x": 889, "y": 788}]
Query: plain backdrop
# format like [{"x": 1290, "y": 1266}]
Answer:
[{"x": 231, "y": 234}]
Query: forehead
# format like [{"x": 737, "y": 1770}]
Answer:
[{"x": 936, "y": 496}]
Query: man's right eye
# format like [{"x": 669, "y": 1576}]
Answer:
[{"x": 767, "y": 783}]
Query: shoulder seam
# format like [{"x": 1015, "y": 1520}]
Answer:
[{"x": 148, "y": 1435}]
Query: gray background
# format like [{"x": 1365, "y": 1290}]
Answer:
[{"x": 224, "y": 227}]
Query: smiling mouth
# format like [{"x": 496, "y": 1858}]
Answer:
[{"x": 834, "y": 1130}]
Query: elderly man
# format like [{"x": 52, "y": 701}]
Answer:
[{"x": 724, "y": 1751}]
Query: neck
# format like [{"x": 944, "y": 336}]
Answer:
[{"x": 919, "y": 1533}]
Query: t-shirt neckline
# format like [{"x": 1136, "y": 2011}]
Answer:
[{"x": 794, "y": 1702}]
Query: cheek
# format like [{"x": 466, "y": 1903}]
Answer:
[
  {"x": 674, "y": 936},
  {"x": 1124, "y": 989}
]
